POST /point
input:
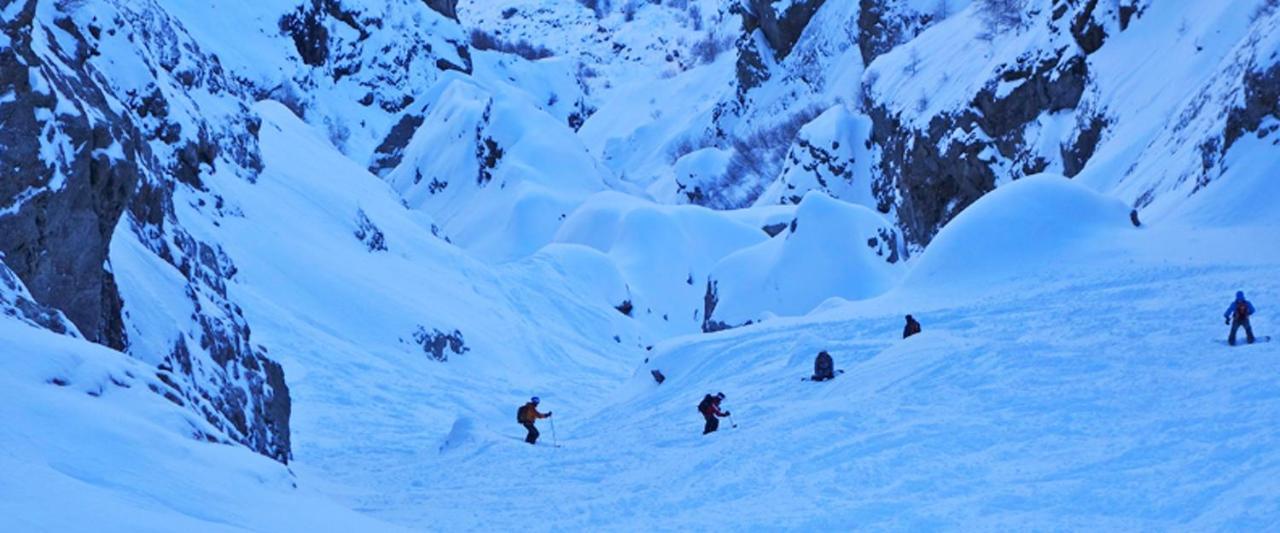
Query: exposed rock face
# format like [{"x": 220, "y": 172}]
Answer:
[
  {"x": 389, "y": 154},
  {"x": 16, "y": 302},
  {"x": 885, "y": 24},
  {"x": 57, "y": 216},
  {"x": 927, "y": 175},
  {"x": 782, "y": 30},
  {"x": 1261, "y": 100},
  {"x": 86, "y": 149},
  {"x": 448, "y": 8},
  {"x": 710, "y": 301}
]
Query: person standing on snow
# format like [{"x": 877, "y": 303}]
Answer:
[
  {"x": 912, "y": 327},
  {"x": 710, "y": 409},
  {"x": 1238, "y": 315},
  {"x": 527, "y": 415}
]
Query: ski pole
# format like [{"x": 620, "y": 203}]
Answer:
[
  {"x": 554, "y": 440},
  {"x": 735, "y": 424}
]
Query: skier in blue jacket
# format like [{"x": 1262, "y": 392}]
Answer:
[{"x": 1238, "y": 315}]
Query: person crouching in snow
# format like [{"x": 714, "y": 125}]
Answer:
[
  {"x": 823, "y": 367},
  {"x": 911, "y": 328}
]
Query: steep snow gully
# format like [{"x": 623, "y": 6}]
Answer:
[{"x": 292, "y": 266}]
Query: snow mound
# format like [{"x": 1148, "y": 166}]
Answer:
[
  {"x": 831, "y": 248},
  {"x": 664, "y": 252},
  {"x": 497, "y": 173},
  {"x": 1019, "y": 229},
  {"x": 695, "y": 176},
  {"x": 462, "y": 434}
]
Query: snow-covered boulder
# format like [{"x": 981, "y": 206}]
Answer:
[
  {"x": 664, "y": 252},
  {"x": 699, "y": 175},
  {"x": 1018, "y": 230},
  {"x": 829, "y": 155},
  {"x": 831, "y": 249},
  {"x": 498, "y": 174}
]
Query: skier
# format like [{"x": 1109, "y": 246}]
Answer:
[
  {"x": 527, "y": 415},
  {"x": 710, "y": 409},
  {"x": 1238, "y": 315},
  {"x": 912, "y": 328},
  {"x": 823, "y": 367}
]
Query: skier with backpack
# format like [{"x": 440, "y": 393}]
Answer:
[
  {"x": 823, "y": 367},
  {"x": 1238, "y": 315},
  {"x": 912, "y": 327},
  {"x": 527, "y": 415},
  {"x": 710, "y": 409}
]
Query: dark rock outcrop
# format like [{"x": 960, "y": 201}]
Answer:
[
  {"x": 709, "y": 302},
  {"x": 885, "y": 24},
  {"x": 1261, "y": 100},
  {"x": 929, "y": 175},
  {"x": 448, "y": 8},
  {"x": 391, "y": 151},
  {"x": 90, "y": 159},
  {"x": 781, "y": 30},
  {"x": 16, "y": 302},
  {"x": 436, "y": 344},
  {"x": 57, "y": 217}
]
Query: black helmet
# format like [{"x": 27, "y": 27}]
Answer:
[{"x": 720, "y": 395}]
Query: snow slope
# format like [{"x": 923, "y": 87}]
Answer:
[
  {"x": 1091, "y": 395},
  {"x": 88, "y": 445},
  {"x": 442, "y": 233}
]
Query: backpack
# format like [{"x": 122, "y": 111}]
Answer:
[
  {"x": 704, "y": 406},
  {"x": 521, "y": 414},
  {"x": 1242, "y": 310}
]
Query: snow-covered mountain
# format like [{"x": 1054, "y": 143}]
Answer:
[{"x": 290, "y": 265}]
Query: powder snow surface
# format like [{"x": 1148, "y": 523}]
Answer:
[{"x": 1072, "y": 372}]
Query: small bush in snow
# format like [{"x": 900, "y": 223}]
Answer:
[
  {"x": 912, "y": 66},
  {"x": 368, "y": 233},
  {"x": 760, "y": 154},
  {"x": 339, "y": 133},
  {"x": 482, "y": 40},
  {"x": 1003, "y": 15},
  {"x": 709, "y": 47},
  {"x": 687, "y": 145}
]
